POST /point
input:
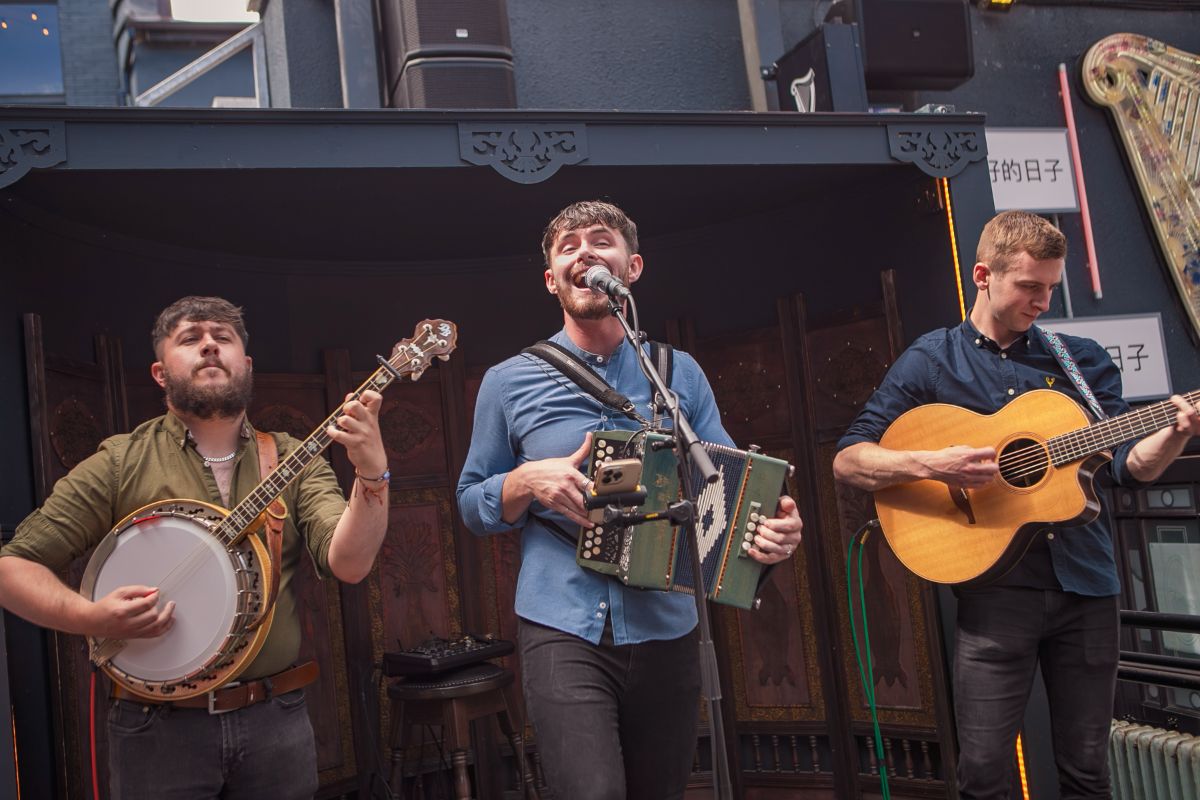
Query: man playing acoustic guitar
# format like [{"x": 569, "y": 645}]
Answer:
[
  {"x": 203, "y": 449},
  {"x": 1059, "y": 604}
]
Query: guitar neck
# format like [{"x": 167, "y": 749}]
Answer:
[
  {"x": 236, "y": 525},
  {"x": 1109, "y": 433}
]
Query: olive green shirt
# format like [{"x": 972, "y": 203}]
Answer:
[{"x": 158, "y": 461}]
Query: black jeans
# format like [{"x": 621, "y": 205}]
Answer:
[
  {"x": 266, "y": 750},
  {"x": 1003, "y": 633},
  {"x": 612, "y": 722}
]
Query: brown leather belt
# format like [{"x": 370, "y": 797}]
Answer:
[{"x": 235, "y": 695}]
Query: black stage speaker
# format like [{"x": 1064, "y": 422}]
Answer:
[
  {"x": 823, "y": 72},
  {"x": 455, "y": 83},
  {"x": 467, "y": 34},
  {"x": 916, "y": 44}
]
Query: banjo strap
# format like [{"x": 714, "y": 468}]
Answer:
[{"x": 276, "y": 513}]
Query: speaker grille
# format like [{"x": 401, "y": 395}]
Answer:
[
  {"x": 916, "y": 44},
  {"x": 456, "y": 83}
]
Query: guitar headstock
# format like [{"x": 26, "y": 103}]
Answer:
[{"x": 433, "y": 338}]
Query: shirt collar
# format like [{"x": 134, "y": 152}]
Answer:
[
  {"x": 179, "y": 432},
  {"x": 1021, "y": 343},
  {"x": 591, "y": 359}
]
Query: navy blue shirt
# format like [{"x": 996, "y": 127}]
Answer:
[
  {"x": 527, "y": 411},
  {"x": 963, "y": 367}
]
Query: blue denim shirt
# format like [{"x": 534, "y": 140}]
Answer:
[
  {"x": 528, "y": 411},
  {"x": 963, "y": 367}
]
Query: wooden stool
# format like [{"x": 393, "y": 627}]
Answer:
[{"x": 453, "y": 701}]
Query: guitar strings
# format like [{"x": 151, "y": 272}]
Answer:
[
  {"x": 192, "y": 562},
  {"x": 1067, "y": 447}
]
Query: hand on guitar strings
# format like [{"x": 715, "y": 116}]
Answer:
[
  {"x": 1187, "y": 420},
  {"x": 777, "y": 538},
  {"x": 960, "y": 467},
  {"x": 131, "y": 612},
  {"x": 357, "y": 430}
]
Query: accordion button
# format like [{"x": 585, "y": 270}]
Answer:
[
  {"x": 745, "y": 545},
  {"x": 750, "y": 526},
  {"x": 749, "y": 537}
]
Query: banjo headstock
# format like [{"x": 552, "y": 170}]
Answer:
[{"x": 433, "y": 338}]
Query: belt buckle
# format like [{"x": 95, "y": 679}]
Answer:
[{"x": 212, "y": 699}]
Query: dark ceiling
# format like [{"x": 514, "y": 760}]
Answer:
[{"x": 380, "y": 217}]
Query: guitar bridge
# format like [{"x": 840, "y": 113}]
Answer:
[{"x": 962, "y": 501}]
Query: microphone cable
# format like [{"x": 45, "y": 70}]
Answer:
[{"x": 867, "y": 674}]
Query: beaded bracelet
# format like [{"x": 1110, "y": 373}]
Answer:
[{"x": 384, "y": 478}]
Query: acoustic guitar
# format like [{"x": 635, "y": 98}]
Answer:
[{"x": 1047, "y": 449}]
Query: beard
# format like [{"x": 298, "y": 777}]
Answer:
[
  {"x": 594, "y": 306},
  {"x": 208, "y": 402}
]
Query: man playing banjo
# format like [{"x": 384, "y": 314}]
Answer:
[{"x": 203, "y": 448}]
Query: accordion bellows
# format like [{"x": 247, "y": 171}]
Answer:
[{"x": 657, "y": 555}]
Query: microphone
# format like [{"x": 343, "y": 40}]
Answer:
[{"x": 599, "y": 279}]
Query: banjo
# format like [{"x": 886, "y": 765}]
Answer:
[{"x": 205, "y": 559}]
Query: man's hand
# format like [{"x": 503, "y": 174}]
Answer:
[
  {"x": 556, "y": 483},
  {"x": 1187, "y": 420},
  {"x": 130, "y": 612},
  {"x": 357, "y": 429},
  {"x": 777, "y": 538},
  {"x": 961, "y": 467}
]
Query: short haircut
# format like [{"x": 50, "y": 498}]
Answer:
[
  {"x": 198, "y": 309},
  {"x": 585, "y": 214},
  {"x": 1011, "y": 233}
]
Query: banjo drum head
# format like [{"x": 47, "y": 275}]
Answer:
[{"x": 190, "y": 567}]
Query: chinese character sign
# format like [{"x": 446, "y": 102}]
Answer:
[
  {"x": 1135, "y": 343},
  {"x": 1030, "y": 169}
]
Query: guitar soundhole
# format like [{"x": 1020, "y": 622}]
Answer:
[{"x": 1023, "y": 462}]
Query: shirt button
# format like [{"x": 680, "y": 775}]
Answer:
[
  {"x": 604, "y": 605},
  {"x": 1004, "y": 355},
  {"x": 1012, "y": 391},
  {"x": 1049, "y": 537},
  {"x": 599, "y": 615},
  {"x": 978, "y": 342},
  {"x": 599, "y": 359}
]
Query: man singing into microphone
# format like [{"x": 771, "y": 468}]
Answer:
[{"x": 611, "y": 675}]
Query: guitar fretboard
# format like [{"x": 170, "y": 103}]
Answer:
[
  {"x": 1077, "y": 444},
  {"x": 409, "y": 358}
]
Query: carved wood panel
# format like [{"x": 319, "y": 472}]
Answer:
[
  {"x": 73, "y": 406},
  {"x": 296, "y": 404}
]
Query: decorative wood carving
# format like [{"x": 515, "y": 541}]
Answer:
[
  {"x": 30, "y": 145},
  {"x": 523, "y": 153}
]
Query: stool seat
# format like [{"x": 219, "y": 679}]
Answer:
[
  {"x": 453, "y": 700},
  {"x": 475, "y": 679}
]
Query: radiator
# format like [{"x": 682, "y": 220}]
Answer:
[{"x": 1153, "y": 764}]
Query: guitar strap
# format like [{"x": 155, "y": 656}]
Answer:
[
  {"x": 578, "y": 372},
  {"x": 1072, "y": 369},
  {"x": 276, "y": 513}
]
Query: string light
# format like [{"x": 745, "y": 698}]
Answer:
[{"x": 33, "y": 17}]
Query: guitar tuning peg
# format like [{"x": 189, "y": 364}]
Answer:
[{"x": 444, "y": 357}]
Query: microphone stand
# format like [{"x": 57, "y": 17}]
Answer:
[{"x": 689, "y": 453}]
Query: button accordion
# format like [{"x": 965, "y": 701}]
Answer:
[{"x": 657, "y": 555}]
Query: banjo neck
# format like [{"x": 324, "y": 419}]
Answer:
[{"x": 410, "y": 358}]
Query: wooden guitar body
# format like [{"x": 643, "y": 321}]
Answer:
[{"x": 976, "y": 535}]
